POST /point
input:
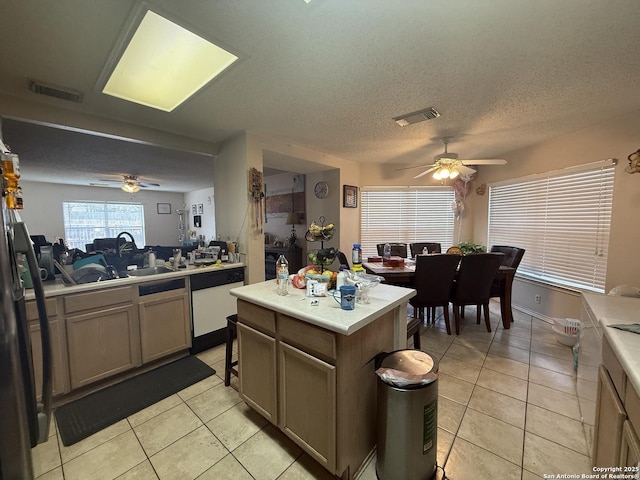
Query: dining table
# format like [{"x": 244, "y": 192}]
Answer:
[{"x": 404, "y": 275}]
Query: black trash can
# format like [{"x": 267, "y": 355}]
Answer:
[{"x": 407, "y": 416}]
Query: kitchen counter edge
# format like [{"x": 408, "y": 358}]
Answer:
[
  {"x": 327, "y": 314},
  {"x": 611, "y": 310},
  {"x": 52, "y": 289}
]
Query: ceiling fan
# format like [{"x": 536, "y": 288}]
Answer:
[
  {"x": 448, "y": 165},
  {"x": 130, "y": 183}
]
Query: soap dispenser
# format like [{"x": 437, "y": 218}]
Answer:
[{"x": 151, "y": 258}]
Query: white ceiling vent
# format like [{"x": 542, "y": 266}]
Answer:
[
  {"x": 415, "y": 117},
  {"x": 54, "y": 91}
]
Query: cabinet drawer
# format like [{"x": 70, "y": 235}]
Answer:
[
  {"x": 632, "y": 406},
  {"x": 258, "y": 317},
  {"x": 312, "y": 339},
  {"x": 102, "y": 298},
  {"x": 32, "y": 309}
]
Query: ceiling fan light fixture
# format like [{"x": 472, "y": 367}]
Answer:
[{"x": 130, "y": 187}]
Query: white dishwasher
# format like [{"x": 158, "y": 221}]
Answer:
[{"x": 211, "y": 303}]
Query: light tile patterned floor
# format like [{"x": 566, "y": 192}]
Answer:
[{"x": 507, "y": 409}]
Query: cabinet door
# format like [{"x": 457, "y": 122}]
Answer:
[
  {"x": 102, "y": 343},
  {"x": 257, "y": 371},
  {"x": 610, "y": 415},
  {"x": 308, "y": 403},
  {"x": 164, "y": 324},
  {"x": 630, "y": 448},
  {"x": 60, "y": 380}
]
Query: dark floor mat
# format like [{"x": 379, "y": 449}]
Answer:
[{"x": 84, "y": 417}]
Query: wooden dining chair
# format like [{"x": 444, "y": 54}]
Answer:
[
  {"x": 472, "y": 285},
  {"x": 397, "y": 249},
  {"x": 418, "y": 248},
  {"x": 433, "y": 281},
  {"x": 512, "y": 258}
]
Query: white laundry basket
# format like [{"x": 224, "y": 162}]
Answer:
[{"x": 566, "y": 330}]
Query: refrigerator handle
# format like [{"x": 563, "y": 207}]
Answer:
[{"x": 23, "y": 244}]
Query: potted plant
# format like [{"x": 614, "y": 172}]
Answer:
[{"x": 471, "y": 247}]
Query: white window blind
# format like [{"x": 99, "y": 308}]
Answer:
[
  {"x": 405, "y": 215},
  {"x": 85, "y": 221},
  {"x": 561, "y": 219}
]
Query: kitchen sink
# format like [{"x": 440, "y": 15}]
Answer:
[{"x": 142, "y": 272}]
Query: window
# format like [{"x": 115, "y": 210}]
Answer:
[
  {"x": 562, "y": 219},
  {"x": 84, "y": 221},
  {"x": 406, "y": 215}
]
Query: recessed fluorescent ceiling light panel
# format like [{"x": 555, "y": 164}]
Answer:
[{"x": 164, "y": 64}]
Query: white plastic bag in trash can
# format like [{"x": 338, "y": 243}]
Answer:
[{"x": 415, "y": 372}]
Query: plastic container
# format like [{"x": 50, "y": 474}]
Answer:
[
  {"x": 282, "y": 275},
  {"x": 356, "y": 254},
  {"x": 566, "y": 330}
]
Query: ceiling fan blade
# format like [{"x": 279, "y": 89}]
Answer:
[
  {"x": 485, "y": 161},
  {"x": 415, "y": 166},
  {"x": 109, "y": 180},
  {"x": 435, "y": 167},
  {"x": 465, "y": 170}
]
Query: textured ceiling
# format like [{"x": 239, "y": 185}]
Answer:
[{"x": 330, "y": 75}]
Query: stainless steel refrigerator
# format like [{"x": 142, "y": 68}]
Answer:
[{"x": 24, "y": 422}]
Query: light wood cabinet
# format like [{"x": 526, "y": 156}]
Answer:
[
  {"x": 630, "y": 447},
  {"x": 164, "y": 324},
  {"x": 103, "y": 334},
  {"x": 308, "y": 403},
  {"x": 610, "y": 415},
  {"x": 615, "y": 441},
  {"x": 317, "y": 386},
  {"x": 257, "y": 371},
  {"x": 60, "y": 366}
]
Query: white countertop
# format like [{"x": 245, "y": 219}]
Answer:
[
  {"x": 626, "y": 345},
  {"x": 57, "y": 287},
  {"x": 328, "y": 314}
]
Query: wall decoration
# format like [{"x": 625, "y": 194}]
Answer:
[
  {"x": 200, "y": 209},
  {"x": 281, "y": 202},
  {"x": 163, "y": 208},
  {"x": 350, "y": 196},
  {"x": 197, "y": 221},
  {"x": 194, "y": 209}
]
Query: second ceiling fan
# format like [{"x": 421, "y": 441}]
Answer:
[{"x": 448, "y": 165}]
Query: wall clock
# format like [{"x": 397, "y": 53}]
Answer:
[{"x": 321, "y": 190}]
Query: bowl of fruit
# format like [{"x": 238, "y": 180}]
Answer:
[{"x": 324, "y": 256}]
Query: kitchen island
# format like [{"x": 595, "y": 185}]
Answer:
[{"x": 309, "y": 369}]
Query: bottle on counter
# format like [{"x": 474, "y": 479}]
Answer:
[
  {"x": 356, "y": 254},
  {"x": 282, "y": 275}
]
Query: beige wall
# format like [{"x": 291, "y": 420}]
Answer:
[{"x": 43, "y": 209}]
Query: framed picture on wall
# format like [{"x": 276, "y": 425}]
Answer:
[
  {"x": 200, "y": 209},
  {"x": 350, "y": 196},
  {"x": 194, "y": 209},
  {"x": 197, "y": 221},
  {"x": 164, "y": 208}
]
